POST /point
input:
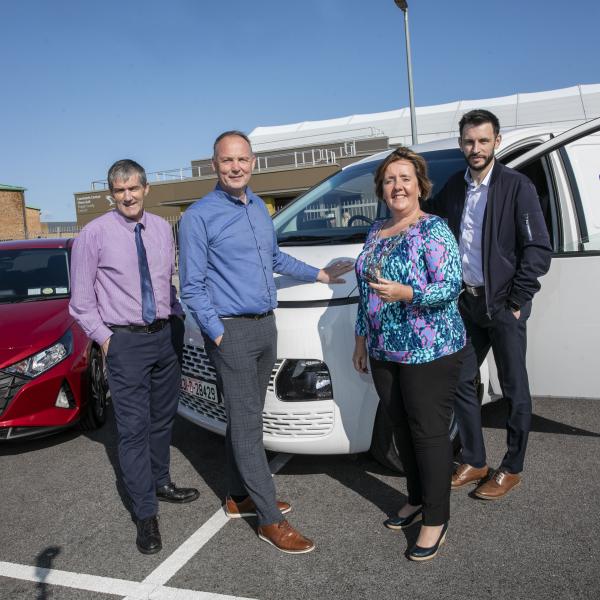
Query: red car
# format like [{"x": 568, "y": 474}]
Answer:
[{"x": 51, "y": 373}]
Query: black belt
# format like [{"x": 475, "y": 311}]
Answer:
[
  {"x": 474, "y": 291},
  {"x": 152, "y": 328},
  {"x": 249, "y": 316}
]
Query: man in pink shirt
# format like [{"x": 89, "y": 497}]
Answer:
[{"x": 123, "y": 298}]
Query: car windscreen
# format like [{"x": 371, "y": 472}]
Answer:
[
  {"x": 341, "y": 209},
  {"x": 33, "y": 274}
]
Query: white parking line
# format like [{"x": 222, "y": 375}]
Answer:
[
  {"x": 152, "y": 587},
  {"x": 192, "y": 545},
  {"x": 186, "y": 551},
  {"x": 104, "y": 585}
]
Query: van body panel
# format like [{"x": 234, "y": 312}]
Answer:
[{"x": 290, "y": 289}]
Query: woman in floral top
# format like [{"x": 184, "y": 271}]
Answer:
[{"x": 409, "y": 276}]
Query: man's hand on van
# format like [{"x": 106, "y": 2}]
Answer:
[
  {"x": 359, "y": 356},
  {"x": 218, "y": 340},
  {"x": 331, "y": 274}
]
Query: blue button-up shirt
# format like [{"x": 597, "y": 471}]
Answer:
[{"x": 228, "y": 254}]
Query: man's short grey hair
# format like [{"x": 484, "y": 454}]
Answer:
[
  {"x": 123, "y": 170},
  {"x": 231, "y": 133}
]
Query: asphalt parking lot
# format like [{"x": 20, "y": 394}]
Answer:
[{"x": 66, "y": 533}]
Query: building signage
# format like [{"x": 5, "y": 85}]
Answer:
[{"x": 93, "y": 203}]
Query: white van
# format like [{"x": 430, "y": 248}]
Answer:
[{"x": 316, "y": 402}]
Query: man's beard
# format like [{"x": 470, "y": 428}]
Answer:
[{"x": 488, "y": 160}]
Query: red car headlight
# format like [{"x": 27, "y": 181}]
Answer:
[{"x": 38, "y": 363}]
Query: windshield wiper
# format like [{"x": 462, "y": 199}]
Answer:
[
  {"x": 302, "y": 238},
  {"x": 318, "y": 240},
  {"x": 357, "y": 236}
]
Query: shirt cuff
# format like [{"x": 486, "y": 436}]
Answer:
[
  {"x": 214, "y": 329},
  {"x": 360, "y": 328},
  {"x": 418, "y": 295},
  {"x": 101, "y": 334},
  {"x": 313, "y": 273}
]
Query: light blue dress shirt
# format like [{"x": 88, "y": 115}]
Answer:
[
  {"x": 471, "y": 229},
  {"x": 228, "y": 253}
]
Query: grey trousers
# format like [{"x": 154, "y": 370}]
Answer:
[{"x": 243, "y": 362}]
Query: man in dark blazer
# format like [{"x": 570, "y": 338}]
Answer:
[{"x": 495, "y": 214}]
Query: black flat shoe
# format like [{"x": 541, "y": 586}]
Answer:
[
  {"x": 420, "y": 553},
  {"x": 404, "y": 522},
  {"x": 148, "y": 536},
  {"x": 171, "y": 493}
]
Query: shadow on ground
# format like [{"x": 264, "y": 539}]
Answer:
[{"x": 494, "y": 415}]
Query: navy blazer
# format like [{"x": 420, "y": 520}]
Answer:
[{"x": 515, "y": 243}]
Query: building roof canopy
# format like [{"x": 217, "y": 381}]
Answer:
[{"x": 563, "y": 108}]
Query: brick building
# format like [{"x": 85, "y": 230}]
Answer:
[{"x": 17, "y": 221}]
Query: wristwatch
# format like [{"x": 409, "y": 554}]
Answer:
[{"x": 514, "y": 306}]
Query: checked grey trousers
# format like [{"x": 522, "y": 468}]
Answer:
[{"x": 243, "y": 362}]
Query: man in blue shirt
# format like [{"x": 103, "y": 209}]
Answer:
[{"x": 228, "y": 254}]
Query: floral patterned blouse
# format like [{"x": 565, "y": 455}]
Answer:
[{"x": 426, "y": 257}]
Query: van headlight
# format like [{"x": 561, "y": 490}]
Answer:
[
  {"x": 303, "y": 379},
  {"x": 42, "y": 361}
]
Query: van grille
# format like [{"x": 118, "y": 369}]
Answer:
[
  {"x": 196, "y": 364},
  {"x": 211, "y": 410},
  {"x": 298, "y": 423},
  {"x": 281, "y": 424}
]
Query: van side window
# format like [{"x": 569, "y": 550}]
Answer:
[{"x": 581, "y": 161}]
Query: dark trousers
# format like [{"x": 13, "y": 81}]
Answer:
[
  {"x": 507, "y": 338},
  {"x": 244, "y": 361},
  {"x": 144, "y": 378},
  {"x": 418, "y": 401}
]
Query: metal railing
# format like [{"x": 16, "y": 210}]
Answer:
[
  {"x": 359, "y": 133},
  {"x": 33, "y": 234},
  {"x": 310, "y": 157},
  {"x": 156, "y": 176},
  {"x": 341, "y": 213}
]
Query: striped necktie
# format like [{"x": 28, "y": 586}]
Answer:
[{"x": 148, "y": 304}]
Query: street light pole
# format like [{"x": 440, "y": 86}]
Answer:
[{"x": 403, "y": 6}]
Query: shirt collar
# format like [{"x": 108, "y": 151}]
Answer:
[
  {"x": 249, "y": 194},
  {"x": 129, "y": 223},
  {"x": 486, "y": 179}
]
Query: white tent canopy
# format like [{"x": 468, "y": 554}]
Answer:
[{"x": 562, "y": 108}]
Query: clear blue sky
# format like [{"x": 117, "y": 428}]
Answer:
[{"x": 85, "y": 83}]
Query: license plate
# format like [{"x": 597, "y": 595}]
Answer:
[{"x": 200, "y": 389}]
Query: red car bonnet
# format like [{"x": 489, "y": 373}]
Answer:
[{"x": 27, "y": 327}]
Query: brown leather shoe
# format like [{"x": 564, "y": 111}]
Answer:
[
  {"x": 498, "y": 486},
  {"x": 285, "y": 538},
  {"x": 466, "y": 474},
  {"x": 247, "y": 508}
]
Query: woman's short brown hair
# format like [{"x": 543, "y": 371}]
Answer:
[{"x": 403, "y": 153}]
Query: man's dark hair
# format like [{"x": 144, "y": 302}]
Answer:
[
  {"x": 233, "y": 132},
  {"x": 479, "y": 116},
  {"x": 124, "y": 169}
]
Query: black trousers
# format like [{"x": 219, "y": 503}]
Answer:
[
  {"x": 507, "y": 337},
  {"x": 244, "y": 361},
  {"x": 144, "y": 377},
  {"x": 418, "y": 401}
]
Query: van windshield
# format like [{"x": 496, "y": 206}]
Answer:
[{"x": 342, "y": 208}]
